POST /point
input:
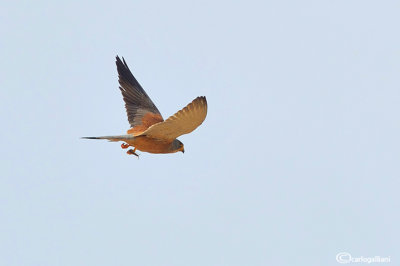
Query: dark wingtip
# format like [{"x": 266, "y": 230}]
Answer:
[
  {"x": 123, "y": 69},
  {"x": 118, "y": 61},
  {"x": 203, "y": 98},
  {"x": 90, "y": 138}
]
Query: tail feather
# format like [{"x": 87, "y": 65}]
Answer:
[{"x": 113, "y": 138}]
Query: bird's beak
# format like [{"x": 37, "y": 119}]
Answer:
[{"x": 183, "y": 150}]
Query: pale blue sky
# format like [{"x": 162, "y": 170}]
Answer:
[{"x": 297, "y": 161}]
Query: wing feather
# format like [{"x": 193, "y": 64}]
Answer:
[
  {"x": 182, "y": 122},
  {"x": 141, "y": 111}
]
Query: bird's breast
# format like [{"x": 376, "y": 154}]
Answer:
[{"x": 151, "y": 145}]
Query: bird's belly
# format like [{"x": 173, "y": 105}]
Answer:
[{"x": 143, "y": 143}]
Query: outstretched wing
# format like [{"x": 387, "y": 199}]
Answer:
[
  {"x": 182, "y": 122},
  {"x": 142, "y": 113}
]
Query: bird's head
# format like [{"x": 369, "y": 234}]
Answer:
[{"x": 178, "y": 146}]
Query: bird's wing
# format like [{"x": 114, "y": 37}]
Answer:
[
  {"x": 182, "y": 122},
  {"x": 142, "y": 113}
]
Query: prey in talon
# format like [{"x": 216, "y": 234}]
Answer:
[{"x": 149, "y": 131}]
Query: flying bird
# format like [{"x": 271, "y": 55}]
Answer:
[{"x": 149, "y": 132}]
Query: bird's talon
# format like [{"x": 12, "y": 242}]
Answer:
[
  {"x": 132, "y": 152},
  {"x": 124, "y": 146}
]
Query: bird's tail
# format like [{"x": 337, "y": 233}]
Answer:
[{"x": 113, "y": 138}]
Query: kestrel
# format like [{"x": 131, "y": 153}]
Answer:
[{"x": 149, "y": 131}]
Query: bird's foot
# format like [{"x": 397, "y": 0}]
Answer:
[
  {"x": 132, "y": 152},
  {"x": 124, "y": 145}
]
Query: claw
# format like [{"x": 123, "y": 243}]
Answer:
[
  {"x": 124, "y": 145},
  {"x": 132, "y": 152}
]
